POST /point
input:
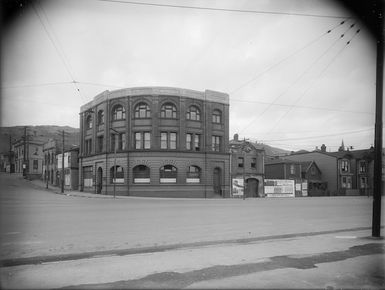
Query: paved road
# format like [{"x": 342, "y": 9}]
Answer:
[{"x": 203, "y": 234}]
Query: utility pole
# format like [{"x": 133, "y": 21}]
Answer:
[
  {"x": 116, "y": 134},
  {"x": 24, "y": 151},
  {"x": 377, "y": 182},
  {"x": 62, "y": 164},
  {"x": 10, "y": 154}
]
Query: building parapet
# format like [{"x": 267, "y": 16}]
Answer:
[{"x": 207, "y": 95}]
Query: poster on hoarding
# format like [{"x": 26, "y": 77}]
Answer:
[
  {"x": 279, "y": 188},
  {"x": 237, "y": 189}
]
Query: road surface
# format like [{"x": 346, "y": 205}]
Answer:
[{"x": 52, "y": 240}]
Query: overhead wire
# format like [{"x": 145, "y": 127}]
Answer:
[
  {"x": 297, "y": 79},
  {"x": 291, "y": 107},
  {"x": 287, "y": 57},
  {"x": 35, "y": 85},
  {"x": 55, "y": 44},
  {"x": 224, "y": 9},
  {"x": 320, "y": 136},
  {"x": 302, "y": 107}
]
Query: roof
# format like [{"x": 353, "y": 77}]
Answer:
[
  {"x": 355, "y": 154},
  {"x": 207, "y": 95},
  {"x": 256, "y": 147},
  {"x": 280, "y": 161}
]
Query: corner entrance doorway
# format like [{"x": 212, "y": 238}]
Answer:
[
  {"x": 251, "y": 187},
  {"x": 99, "y": 181}
]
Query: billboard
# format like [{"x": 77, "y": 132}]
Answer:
[
  {"x": 237, "y": 189},
  {"x": 279, "y": 188}
]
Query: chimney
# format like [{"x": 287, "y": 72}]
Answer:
[{"x": 236, "y": 137}]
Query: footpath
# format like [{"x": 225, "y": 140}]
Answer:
[
  {"x": 57, "y": 189},
  {"x": 341, "y": 259}
]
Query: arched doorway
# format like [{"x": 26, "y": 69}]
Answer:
[
  {"x": 252, "y": 187},
  {"x": 99, "y": 181},
  {"x": 217, "y": 180}
]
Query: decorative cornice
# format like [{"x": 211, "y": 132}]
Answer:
[{"x": 207, "y": 95}]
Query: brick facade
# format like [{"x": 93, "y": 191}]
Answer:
[{"x": 165, "y": 132}]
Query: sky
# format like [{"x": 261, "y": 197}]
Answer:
[{"x": 291, "y": 84}]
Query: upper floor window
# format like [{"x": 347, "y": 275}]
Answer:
[
  {"x": 142, "y": 140},
  {"x": 292, "y": 169},
  {"x": 241, "y": 162},
  {"x": 89, "y": 122},
  {"x": 217, "y": 116},
  {"x": 87, "y": 148},
  {"x": 142, "y": 110},
  {"x": 344, "y": 165},
  {"x": 193, "y": 113},
  {"x": 118, "y": 113},
  {"x": 118, "y": 141},
  {"x": 216, "y": 143},
  {"x": 253, "y": 162},
  {"x": 100, "y": 117},
  {"x": 168, "y": 140},
  {"x": 168, "y": 110},
  {"x": 100, "y": 144}
]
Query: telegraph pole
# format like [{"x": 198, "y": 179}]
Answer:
[
  {"x": 62, "y": 164},
  {"x": 24, "y": 151},
  {"x": 377, "y": 182}
]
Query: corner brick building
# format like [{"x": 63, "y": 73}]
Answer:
[{"x": 155, "y": 141}]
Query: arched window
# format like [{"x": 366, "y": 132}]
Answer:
[
  {"x": 118, "y": 113},
  {"x": 168, "y": 110},
  {"x": 100, "y": 117},
  {"x": 119, "y": 174},
  {"x": 193, "y": 174},
  {"x": 141, "y": 174},
  {"x": 217, "y": 116},
  {"x": 89, "y": 122},
  {"x": 142, "y": 110},
  {"x": 193, "y": 113},
  {"x": 168, "y": 174}
]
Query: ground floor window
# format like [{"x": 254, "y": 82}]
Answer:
[
  {"x": 168, "y": 174},
  {"x": 118, "y": 171},
  {"x": 35, "y": 165},
  {"x": 346, "y": 182},
  {"x": 363, "y": 182},
  {"x": 141, "y": 174},
  {"x": 193, "y": 174},
  {"x": 87, "y": 176}
]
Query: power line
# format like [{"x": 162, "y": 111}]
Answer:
[
  {"x": 308, "y": 89},
  {"x": 301, "y": 107},
  {"x": 286, "y": 58},
  {"x": 36, "y": 85},
  {"x": 225, "y": 9},
  {"x": 59, "y": 52},
  {"x": 321, "y": 136},
  {"x": 296, "y": 81}
]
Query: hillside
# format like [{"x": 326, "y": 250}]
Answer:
[
  {"x": 45, "y": 132},
  {"x": 271, "y": 151}
]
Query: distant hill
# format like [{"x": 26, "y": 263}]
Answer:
[
  {"x": 42, "y": 132},
  {"x": 271, "y": 151}
]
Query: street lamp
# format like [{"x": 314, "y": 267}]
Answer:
[{"x": 114, "y": 179}]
